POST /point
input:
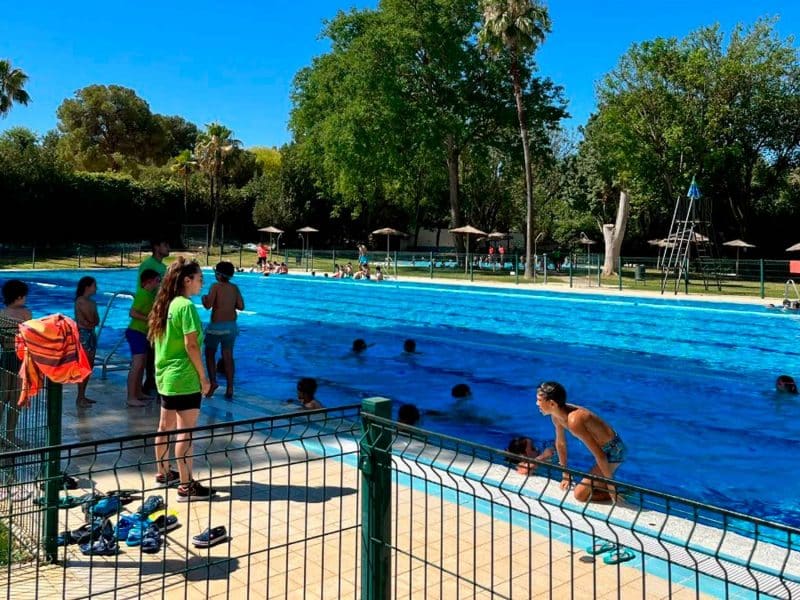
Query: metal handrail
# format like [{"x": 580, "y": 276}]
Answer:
[
  {"x": 106, "y": 360},
  {"x": 786, "y": 290}
]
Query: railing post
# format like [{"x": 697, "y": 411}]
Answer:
[
  {"x": 376, "y": 500},
  {"x": 52, "y": 471},
  {"x": 571, "y": 261},
  {"x": 761, "y": 276}
]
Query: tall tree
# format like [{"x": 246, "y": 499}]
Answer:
[
  {"x": 184, "y": 165},
  {"x": 517, "y": 27},
  {"x": 105, "y": 127},
  {"x": 214, "y": 146},
  {"x": 12, "y": 87}
]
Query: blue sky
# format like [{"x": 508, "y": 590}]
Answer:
[{"x": 235, "y": 62}]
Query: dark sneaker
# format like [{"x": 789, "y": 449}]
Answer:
[
  {"x": 210, "y": 537},
  {"x": 194, "y": 490},
  {"x": 168, "y": 479}
]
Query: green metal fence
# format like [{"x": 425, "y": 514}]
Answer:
[{"x": 346, "y": 503}]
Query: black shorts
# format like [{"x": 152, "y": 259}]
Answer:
[{"x": 182, "y": 402}]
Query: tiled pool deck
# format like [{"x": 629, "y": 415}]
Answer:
[{"x": 308, "y": 518}]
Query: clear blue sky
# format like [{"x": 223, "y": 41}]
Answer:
[{"x": 234, "y": 62}]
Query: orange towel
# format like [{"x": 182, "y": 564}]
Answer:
[{"x": 49, "y": 347}]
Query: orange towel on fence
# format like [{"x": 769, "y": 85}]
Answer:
[{"x": 49, "y": 347}]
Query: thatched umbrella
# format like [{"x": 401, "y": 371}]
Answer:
[
  {"x": 467, "y": 230},
  {"x": 388, "y": 232},
  {"x": 738, "y": 244},
  {"x": 270, "y": 230}
]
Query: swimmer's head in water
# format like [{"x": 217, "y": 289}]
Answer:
[
  {"x": 359, "y": 345},
  {"x": 408, "y": 414},
  {"x": 785, "y": 383},
  {"x": 461, "y": 390},
  {"x": 409, "y": 346}
]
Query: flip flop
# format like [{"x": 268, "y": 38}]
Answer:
[
  {"x": 151, "y": 505},
  {"x": 164, "y": 520},
  {"x": 601, "y": 547},
  {"x": 620, "y": 555},
  {"x": 151, "y": 540}
]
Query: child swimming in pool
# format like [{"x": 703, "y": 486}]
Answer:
[
  {"x": 524, "y": 446},
  {"x": 599, "y": 437}
]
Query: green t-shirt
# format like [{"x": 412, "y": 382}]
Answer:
[
  {"x": 150, "y": 263},
  {"x": 142, "y": 302},
  {"x": 175, "y": 373}
]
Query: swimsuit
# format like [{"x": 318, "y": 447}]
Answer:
[
  {"x": 88, "y": 339},
  {"x": 221, "y": 332},
  {"x": 614, "y": 449}
]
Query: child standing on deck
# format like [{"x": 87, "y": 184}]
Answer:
[
  {"x": 223, "y": 299},
  {"x": 136, "y": 334},
  {"x": 87, "y": 319}
]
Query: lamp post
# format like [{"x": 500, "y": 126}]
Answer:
[
  {"x": 536, "y": 256},
  {"x": 302, "y": 246}
]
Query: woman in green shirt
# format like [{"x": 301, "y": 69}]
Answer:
[{"x": 176, "y": 332}]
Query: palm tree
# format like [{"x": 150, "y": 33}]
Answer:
[
  {"x": 11, "y": 87},
  {"x": 214, "y": 145},
  {"x": 184, "y": 164},
  {"x": 517, "y": 27}
]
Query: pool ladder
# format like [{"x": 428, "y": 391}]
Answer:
[
  {"x": 106, "y": 360},
  {"x": 791, "y": 283}
]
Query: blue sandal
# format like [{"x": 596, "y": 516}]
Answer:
[
  {"x": 151, "y": 540},
  {"x": 601, "y": 548},
  {"x": 620, "y": 555}
]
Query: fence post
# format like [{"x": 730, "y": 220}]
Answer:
[
  {"x": 599, "y": 272},
  {"x": 333, "y": 259},
  {"x": 241, "y": 252},
  {"x": 53, "y": 482},
  {"x": 431, "y": 265},
  {"x": 79, "y": 256},
  {"x": 376, "y": 499},
  {"x": 395, "y": 265},
  {"x": 571, "y": 262},
  {"x": 619, "y": 270},
  {"x": 33, "y": 258},
  {"x": 761, "y": 276},
  {"x": 516, "y": 267}
]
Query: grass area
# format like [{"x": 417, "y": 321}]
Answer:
[
  {"x": 323, "y": 262},
  {"x": 9, "y": 553}
]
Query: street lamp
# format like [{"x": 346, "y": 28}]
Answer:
[{"x": 303, "y": 246}]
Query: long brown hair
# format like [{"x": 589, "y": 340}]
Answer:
[{"x": 172, "y": 286}]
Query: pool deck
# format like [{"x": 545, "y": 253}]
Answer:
[{"x": 327, "y": 567}]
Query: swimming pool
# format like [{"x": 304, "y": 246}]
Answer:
[{"x": 687, "y": 384}]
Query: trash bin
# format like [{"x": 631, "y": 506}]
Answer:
[{"x": 638, "y": 273}]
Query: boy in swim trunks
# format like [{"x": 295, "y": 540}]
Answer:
[
  {"x": 602, "y": 441},
  {"x": 223, "y": 299}
]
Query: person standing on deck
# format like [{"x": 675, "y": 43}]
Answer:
[{"x": 159, "y": 247}]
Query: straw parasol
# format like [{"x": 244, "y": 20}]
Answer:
[
  {"x": 738, "y": 244},
  {"x": 467, "y": 230},
  {"x": 794, "y": 248},
  {"x": 388, "y": 232},
  {"x": 271, "y": 229}
]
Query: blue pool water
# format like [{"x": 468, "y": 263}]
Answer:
[{"x": 687, "y": 384}]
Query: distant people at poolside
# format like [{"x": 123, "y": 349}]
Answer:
[
  {"x": 87, "y": 319},
  {"x": 348, "y": 271},
  {"x": 306, "y": 393},
  {"x": 223, "y": 300},
  {"x": 363, "y": 259},
  {"x": 378, "y": 274},
  {"x": 263, "y": 254},
  {"x": 525, "y": 446},
  {"x": 337, "y": 272},
  {"x": 600, "y": 439},
  {"x": 786, "y": 384}
]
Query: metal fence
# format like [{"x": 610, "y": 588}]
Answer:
[{"x": 346, "y": 503}]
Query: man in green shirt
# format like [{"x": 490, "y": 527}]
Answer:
[{"x": 160, "y": 250}]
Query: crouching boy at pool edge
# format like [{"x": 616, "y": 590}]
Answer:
[{"x": 598, "y": 436}]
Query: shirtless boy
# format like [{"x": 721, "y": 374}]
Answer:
[
  {"x": 602, "y": 441},
  {"x": 223, "y": 299}
]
